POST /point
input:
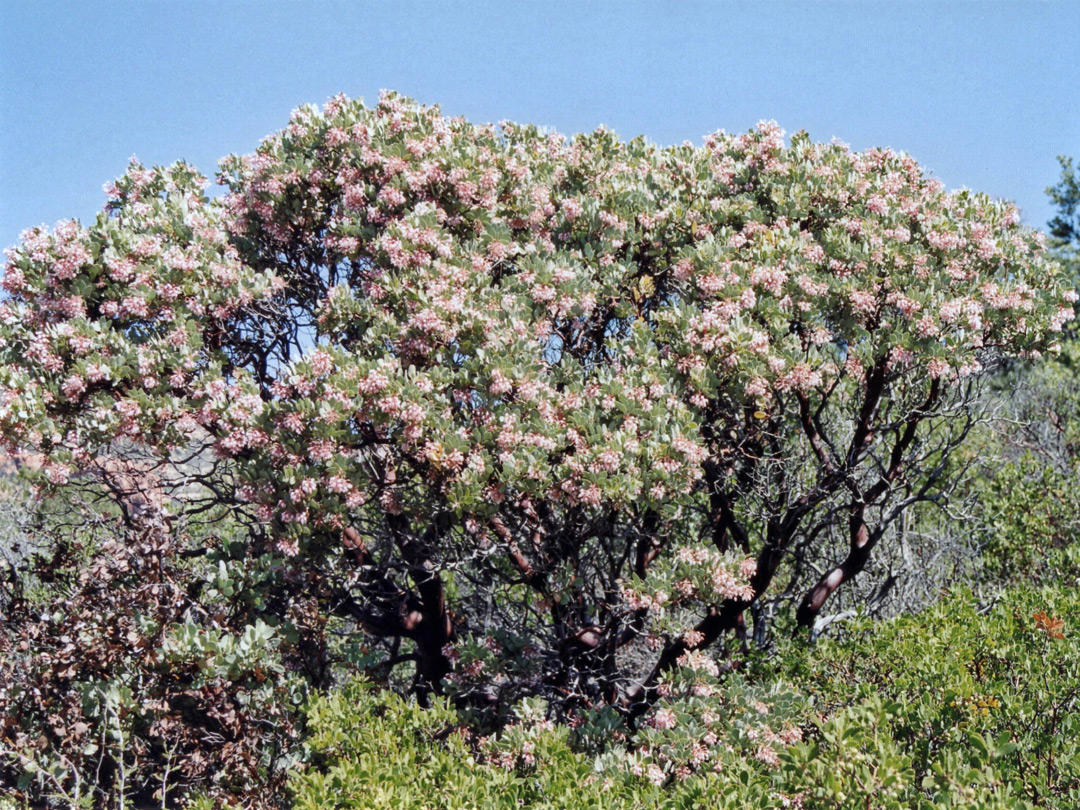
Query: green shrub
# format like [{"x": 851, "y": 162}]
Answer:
[
  {"x": 1025, "y": 487},
  {"x": 372, "y": 749},
  {"x": 1032, "y": 516},
  {"x": 959, "y": 706},
  {"x": 979, "y": 707}
]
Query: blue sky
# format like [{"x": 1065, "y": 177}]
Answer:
[{"x": 985, "y": 94}]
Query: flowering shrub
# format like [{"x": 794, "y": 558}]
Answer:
[
  {"x": 533, "y": 416},
  {"x": 702, "y": 725}
]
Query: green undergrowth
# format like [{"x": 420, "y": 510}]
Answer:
[
  {"x": 959, "y": 706},
  {"x": 982, "y": 702}
]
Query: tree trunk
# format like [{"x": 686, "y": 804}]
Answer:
[{"x": 858, "y": 554}]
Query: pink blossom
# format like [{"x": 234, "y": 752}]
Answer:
[
  {"x": 692, "y": 638},
  {"x": 791, "y": 735},
  {"x": 374, "y": 381},
  {"x": 321, "y": 450},
  {"x": 663, "y": 719},
  {"x": 655, "y": 774},
  {"x": 698, "y": 661},
  {"x": 862, "y": 301},
  {"x": 128, "y": 409},
  {"x": 767, "y": 755},
  {"x": 748, "y": 568},
  {"x": 321, "y": 362},
  {"x": 57, "y": 474},
  {"x": 73, "y": 386}
]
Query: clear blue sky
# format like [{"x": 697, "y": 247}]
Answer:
[{"x": 985, "y": 94}]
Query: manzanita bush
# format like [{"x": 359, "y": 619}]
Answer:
[
  {"x": 136, "y": 681},
  {"x": 530, "y": 416}
]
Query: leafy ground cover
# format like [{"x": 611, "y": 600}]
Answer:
[{"x": 959, "y": 706}]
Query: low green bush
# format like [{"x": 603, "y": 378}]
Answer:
[
  {"x": 1024, "y": 488},
  {"x": 981, "y": 706},
  {"x": 372, "y": 749},
  {"x": 956, "y": 707},
  {"x": 1031, "y": 518}
]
